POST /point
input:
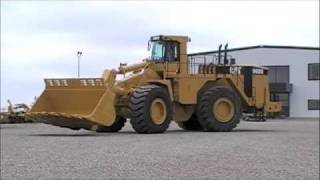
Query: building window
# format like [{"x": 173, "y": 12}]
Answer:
[
  {"x": 280, "y": 87},
  {"x": 313, "y": 71},
  {"x": 279, "y": 74},
  {"x": 313, "y": 104}
]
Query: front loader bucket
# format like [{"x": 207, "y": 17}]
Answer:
[{"x": 75, "y": 103}]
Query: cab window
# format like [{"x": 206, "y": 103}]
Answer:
[
  {"x": 158, "y": 50},
  {"x": 172, "y": 51},
  {"x": 165, "y": 51}
]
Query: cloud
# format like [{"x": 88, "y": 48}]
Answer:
[{"x": 40, "y": 39}]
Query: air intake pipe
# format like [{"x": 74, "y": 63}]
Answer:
[
  {"x": 225, "y": 60},
  {"x": 219, "y": 54}
]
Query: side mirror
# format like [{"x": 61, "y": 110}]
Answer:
[{"x": 149, "y": 45}]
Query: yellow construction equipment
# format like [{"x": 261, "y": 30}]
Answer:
[
  {"x": 15, "y": 113},
  {"x": 207, "y": 93}
]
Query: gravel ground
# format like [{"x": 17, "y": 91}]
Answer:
[{"x": 276, "y": 149}]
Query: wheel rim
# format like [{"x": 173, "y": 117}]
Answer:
[
  {"x": 158, "y": 111},
  {"x": 223, "y": 110}
]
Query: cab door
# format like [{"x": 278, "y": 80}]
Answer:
[{"x": 172, "y": 58}]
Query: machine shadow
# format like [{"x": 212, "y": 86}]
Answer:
[
  {"x": 130, "y": 133},
  {"x": 233, "y": 131},
  {"x": 62, "y": 135}
]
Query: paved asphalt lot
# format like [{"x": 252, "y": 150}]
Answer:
[{"x": 276, "y": 149}]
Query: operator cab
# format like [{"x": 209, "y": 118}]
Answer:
[{"x": 164, "y": 49}]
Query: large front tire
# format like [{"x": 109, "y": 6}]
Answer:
[
  {"x": 150, "y": 109},
  {"x": 219, "y": 109}
]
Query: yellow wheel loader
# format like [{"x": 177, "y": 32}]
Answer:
[{"x": 205, "y": 93}]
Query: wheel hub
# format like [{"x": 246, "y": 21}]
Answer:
[
  {"x": 158, "y": 111},
  {"x": 223, "y": 110}
]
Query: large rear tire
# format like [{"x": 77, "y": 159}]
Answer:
[
  {"x": 150, "y": 109},
  {"x": 191, "y": 125},
  {"x": 115, "y": 127},
  {"x": 219, "y": 109}
]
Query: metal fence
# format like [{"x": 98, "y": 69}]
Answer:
[{"x": 204, "y": 64}]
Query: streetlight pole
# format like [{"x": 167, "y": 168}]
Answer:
[{"x": 79, "y": 54}]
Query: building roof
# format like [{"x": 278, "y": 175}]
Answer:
[{"x": 259, "y": 46}]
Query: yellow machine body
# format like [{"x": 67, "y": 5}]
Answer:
[{"x": 92, "y": 102}]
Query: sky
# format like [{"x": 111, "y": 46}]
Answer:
[{"x": 39, "y": 39}]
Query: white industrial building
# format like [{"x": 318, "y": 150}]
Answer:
[{"x": 294, "y": 75}]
